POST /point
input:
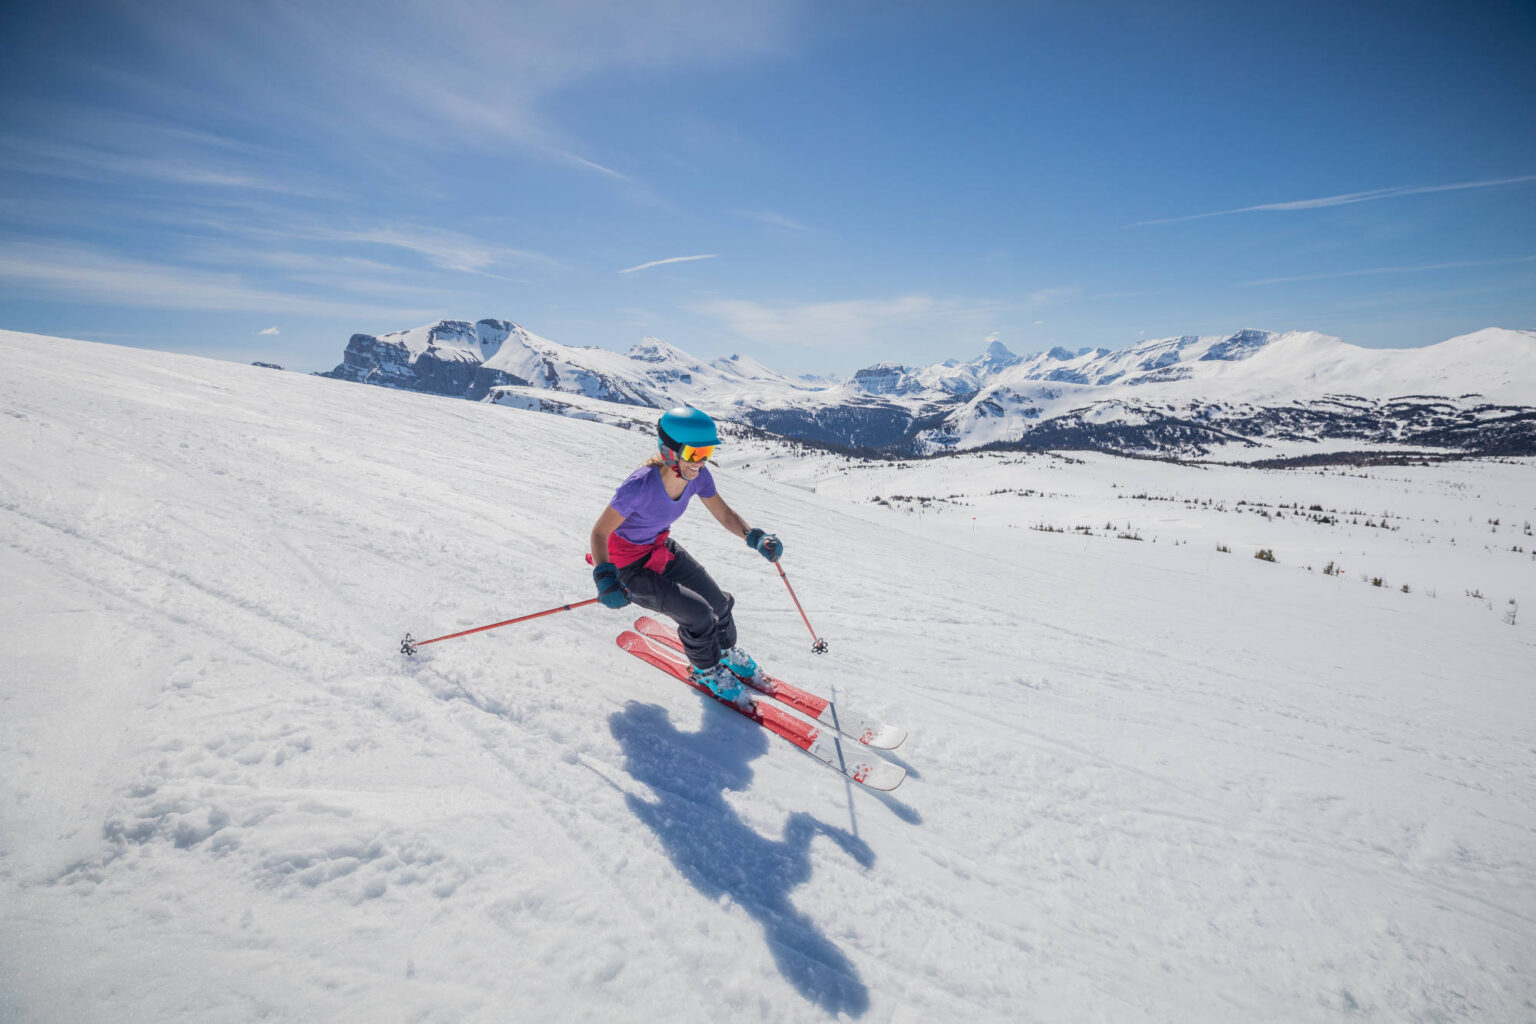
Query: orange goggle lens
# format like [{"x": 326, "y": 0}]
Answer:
[{"x": 689, "y": 453}]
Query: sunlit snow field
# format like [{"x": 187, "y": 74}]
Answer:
[{"x": 1149, "y": 779}]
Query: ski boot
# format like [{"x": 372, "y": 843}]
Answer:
[
  {"x": 722, "y": 682},
  {"x": 745, "y": 666}
]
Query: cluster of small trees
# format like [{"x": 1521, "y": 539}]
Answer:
[{"x": 1129, "y": 533}]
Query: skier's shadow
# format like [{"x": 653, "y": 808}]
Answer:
[{"x": 723, "y": 856}]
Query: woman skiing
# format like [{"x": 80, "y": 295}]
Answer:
[{"x": 636, "y": 561}]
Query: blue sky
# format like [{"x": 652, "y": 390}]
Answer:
[{"x": 817, "y": 185}]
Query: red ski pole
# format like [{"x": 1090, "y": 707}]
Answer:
[
  {"x": 818, "y": 645},
  {"x": 409, "y": 646}
]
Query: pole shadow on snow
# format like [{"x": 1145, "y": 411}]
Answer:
[
  {"x": 905, "y": 811},
  {"x": 722, "y": 856}
]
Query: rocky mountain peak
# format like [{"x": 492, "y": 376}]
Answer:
[
  {"x": 998, "y": 356},
  {"x": 654, "y": 350}
]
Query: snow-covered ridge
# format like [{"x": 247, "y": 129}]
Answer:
[
  {"x": 652, "y": 373},
  {"x": 1185, "y": 395}
]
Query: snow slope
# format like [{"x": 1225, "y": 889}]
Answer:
[{"x": 1148, "y": 781}]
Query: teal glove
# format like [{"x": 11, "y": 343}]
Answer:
[
  {"x": 765, "y": 544},
  {"x": 609, "y": 590}
]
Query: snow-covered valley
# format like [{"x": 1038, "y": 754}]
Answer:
[{"x": 1149, "y": 779}]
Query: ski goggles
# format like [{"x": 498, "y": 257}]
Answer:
[{"x": 692, "y": 453}]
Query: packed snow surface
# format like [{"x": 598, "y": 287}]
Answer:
[{"x": 1150, "y": 779}]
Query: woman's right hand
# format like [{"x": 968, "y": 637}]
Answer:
[{"x": 610, "y": 590}]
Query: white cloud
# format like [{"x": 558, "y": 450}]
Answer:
[
  {"x": 445, "y": 249},
  {"x": 674, "y": 259},
  {"x": 269, "y": 331},
  {"x": 1046, "y": 296},
  {"x": 269, "y": 224},
  {"x": 460, "y": 71},
  {"x": 449, "y": 250},
  {"x": 82, "y": 274},
  {"x": 1342, "y": 200},
  {"x": 109, "y": 147},
  {"x": 840, "y": 324},
  {"x": 1389, "y": 270},
  {"x": 775, "y": 219}
]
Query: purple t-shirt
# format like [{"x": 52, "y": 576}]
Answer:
[{"x": 647, "y": 509}]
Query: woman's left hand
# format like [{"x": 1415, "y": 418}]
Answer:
[{"x": 765, "y": 544}]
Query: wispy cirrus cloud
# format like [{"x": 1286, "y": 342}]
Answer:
[
  {"x": 839, "y": 323},
  {"x": 1051, "y": 296},
  {"x": 449, "y": 250},
  {"x": 443, "y": 248},
  {"x": 674, "y": 259},
  {"x": 777, "y": 220},
  {"x": 1345, "y": 199},
  {"x": 380, "y": 64},
  {"x": 1419, "y": 268},
  {"x": 153, "y": 153},
  {"x": 82, "y": 273}
]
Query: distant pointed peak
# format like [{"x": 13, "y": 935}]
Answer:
[{"x": 998, "y": 355}]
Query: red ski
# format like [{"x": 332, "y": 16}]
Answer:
[
  {"x": 868, "y": 732},
  {"x": 856, "y": 763}
]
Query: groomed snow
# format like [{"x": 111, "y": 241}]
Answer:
[{"x": 1149, "y": 780}]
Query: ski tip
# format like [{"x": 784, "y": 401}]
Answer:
[{"x": 883, "y": 776}]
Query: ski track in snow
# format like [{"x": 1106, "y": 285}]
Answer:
[{"x": 1148, "y": 781}]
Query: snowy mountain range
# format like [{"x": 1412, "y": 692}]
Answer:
[{"x": 1258, "y": 392}]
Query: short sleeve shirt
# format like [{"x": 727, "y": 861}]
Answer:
[{"x": 647, "y": 509}]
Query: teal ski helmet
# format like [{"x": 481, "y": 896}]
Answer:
[{"x": 685, "y": 432}]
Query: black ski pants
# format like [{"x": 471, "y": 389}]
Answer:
[{"x": 686, "y": 595}]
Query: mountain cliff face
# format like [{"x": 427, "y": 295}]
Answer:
[
  {"x": 444, "y": 358},
  {"x": 1187, "y": 396}
]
